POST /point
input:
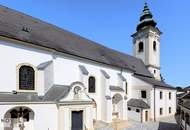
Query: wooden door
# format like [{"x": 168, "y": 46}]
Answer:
[
  {"x": 146, "y": 115},
  {"x": 77, "y": 120}
]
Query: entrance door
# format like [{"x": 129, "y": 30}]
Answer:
[
  {"x": 77, "y": 120},
  {"x": 146, "y": 115}
]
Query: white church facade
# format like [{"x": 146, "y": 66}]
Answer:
[{"x": 52, "y": 79}]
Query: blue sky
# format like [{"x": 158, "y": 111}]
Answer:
[{"x": 111, "y": 23}]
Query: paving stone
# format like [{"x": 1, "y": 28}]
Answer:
[{"x": 168, "y": 123}]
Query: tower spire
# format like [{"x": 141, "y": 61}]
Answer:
[
  {"x": 147, "y": 42},
  {"x": 146, "y": 18}
]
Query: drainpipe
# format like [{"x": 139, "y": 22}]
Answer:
[
  {"x": 141, "y": 115},
  {"x": 154, "y": 105}
]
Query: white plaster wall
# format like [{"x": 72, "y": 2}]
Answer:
[
  {"x": 133, "y": 115},
  {"x": 144, "y": 115},
  {"x": 140, "y": 55},
  {"x": 154, "y": 56},
  {"x": 165, "y": 103},
  {"x": 41, "y": 83},
  {"x": 148, "y": 56},
  {"x": 138, "y": 86},
  {"x": 12, "y": 55},
  {"x": 48, "y": 77},
  {"x": 156, "y": 74},
  {"x": 152, "y": 108},
  {"x": 65, "y": 71},
  {"x": 45, "y": 79},
  {"x": 63, "y": 75}
]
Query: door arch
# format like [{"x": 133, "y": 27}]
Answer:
[
  {"x": 117, "y": 102},
  {"x": 19, "y": 118}
]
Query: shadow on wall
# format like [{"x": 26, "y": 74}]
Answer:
[{"x": 168, "y": 126}]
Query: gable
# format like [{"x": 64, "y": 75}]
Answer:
[{"x": 76, "y": 94}]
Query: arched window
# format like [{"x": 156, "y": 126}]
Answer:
[
  {"x": 91, "y": 85},
  {"x": 141, "y": 47},
  {"x": 26, "y": 78},
  {"x": 154, "y": 46}
]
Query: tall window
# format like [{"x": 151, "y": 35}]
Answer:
[
  {"x": 91, "y": 85},
  {"x": 161, "y": 111},
  {"x": 169, "y": 95},
  {"x": 161, "y": 95},
  {"x": 154, "y": 46},
  {"x": 170, "y": 110},
  {"x": 143, "y": 94},
  {"x": 26, "y": 78},
  {"x": 126, "y": 88},
  {"x": 141, "y": 47}
]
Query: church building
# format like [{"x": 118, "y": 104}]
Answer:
[{"x": 52, "y": 79}]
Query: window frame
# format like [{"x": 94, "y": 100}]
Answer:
[
  {"x": 144, "y": 97},
  {"x": 140, "y": 47},
  {"x": 129, "y": 108},
  {"x": 161, "y": 111},
  {"x": 169, "y": 110},
  {"x": 126, "y": 87},
  {"x": 154, "y": 45},
  {"x": 94, "y": 84},
  {"x": 18, "y": 77},
  {"x": 161, "y": 95},
  {"x": 170, "y": 95},
  {"x": 138, "y": 110}
]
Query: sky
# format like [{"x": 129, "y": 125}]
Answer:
[{"x": 112, "y": 22}]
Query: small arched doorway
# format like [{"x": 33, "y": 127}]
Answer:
[
  {"x": 117, "y": 102},
  {"x": 19, "y": 118}
]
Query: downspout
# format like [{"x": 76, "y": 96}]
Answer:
[
  {"x": 154, "y": 105},
  {"x": 141, "y": 115}
]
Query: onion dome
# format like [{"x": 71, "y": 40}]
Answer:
[{"x": 146, "y": 19}]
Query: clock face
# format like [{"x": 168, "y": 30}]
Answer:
[{"x": 77, "y": 89}]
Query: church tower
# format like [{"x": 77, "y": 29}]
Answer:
[{"x": 146, "y": 42}]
